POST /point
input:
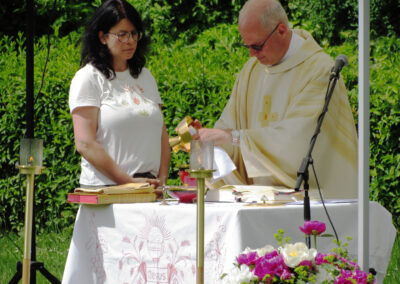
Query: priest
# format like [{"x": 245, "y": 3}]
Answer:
[{"x": 272, "y": 113}]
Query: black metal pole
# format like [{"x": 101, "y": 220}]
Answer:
[
  {"x": 30, "y": 133},
  {"x": 30, "y": 108},
  {"x": 29, "y": 71},
  {"x": 302, "y": 173}
]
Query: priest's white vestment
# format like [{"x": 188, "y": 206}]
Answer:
[{"x": 276, "y": 109}]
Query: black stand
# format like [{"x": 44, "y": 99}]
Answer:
[
  {"x": 34, "y": 265},
  {"x": 302, "y": 173}
]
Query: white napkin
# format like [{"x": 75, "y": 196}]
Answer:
[
  {"x": 223, "y": 164},
  {"x": 253, "y": 193}
]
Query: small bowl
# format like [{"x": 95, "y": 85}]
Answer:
[{"x": 185, "y": 195}]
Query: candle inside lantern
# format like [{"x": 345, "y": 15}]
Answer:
[
  {"x": 201, "y": 155},
  {"x": 31, "y": 152}
]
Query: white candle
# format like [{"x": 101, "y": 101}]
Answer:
[{"x": 201, "y": 155}]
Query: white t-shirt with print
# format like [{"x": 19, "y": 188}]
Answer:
[{"x": 129, "y": 122}]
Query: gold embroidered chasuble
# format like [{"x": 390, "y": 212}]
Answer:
[{"x": 277, "y": 108}]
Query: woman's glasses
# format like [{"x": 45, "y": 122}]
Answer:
[{"x": 125, "y": 36}]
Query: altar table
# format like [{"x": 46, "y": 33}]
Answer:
[{"x": 152, "y": 243}]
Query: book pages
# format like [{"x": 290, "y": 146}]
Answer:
[{"x": 143, "y": 187}]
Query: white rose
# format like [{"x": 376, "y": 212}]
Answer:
[
  {"x": 293, "y": 254},
  {"x": 238, "y": 275},
  {"x": 263, "y": 251}
]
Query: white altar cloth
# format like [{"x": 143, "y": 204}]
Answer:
[{"x": 151, "y": 243}]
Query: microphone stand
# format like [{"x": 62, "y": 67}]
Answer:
[{"x": 302, "y": 173}]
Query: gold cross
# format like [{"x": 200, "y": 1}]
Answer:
[{"x": 265, "y": 116}]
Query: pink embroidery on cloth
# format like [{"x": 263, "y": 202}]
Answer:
[
  {"x": 154, "y": 256},
  {"x": 98, "y": 244},
  {"x": 216, "y": 249}
]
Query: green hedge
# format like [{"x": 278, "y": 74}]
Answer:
[
  {"x": 52, "y": 124},
  {"x": 194, "y": 79},
  {"x": 384, "y": 115},
  {"x": 173, "y": 19},
  {"x": 329, "y": 18}
]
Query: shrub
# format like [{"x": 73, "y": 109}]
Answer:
[
  {"x": 52, "y": 124},
  {"x": 62, "y": 16},
  {"x": 173, "y": 19},
  {"x": 329, "y": 18},
  {"x": 384, "y": 116}
]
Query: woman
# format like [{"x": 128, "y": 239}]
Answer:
[{"x": 115, "y": 103}]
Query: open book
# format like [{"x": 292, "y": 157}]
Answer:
[
  {"x": 125, "y": 193},
  {"x": 253, "y": 193},
  {"x": 141, "y": 187}
]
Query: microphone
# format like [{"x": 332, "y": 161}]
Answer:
[{"x": 340, "y": 61}]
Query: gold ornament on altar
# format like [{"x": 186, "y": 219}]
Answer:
[{"x": 185, "y": 129}]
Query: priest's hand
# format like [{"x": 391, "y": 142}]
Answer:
[{"x": 218, "y": 136}]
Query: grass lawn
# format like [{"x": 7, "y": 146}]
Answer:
[{"x": 52, "y": 250}]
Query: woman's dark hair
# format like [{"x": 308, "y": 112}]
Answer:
[{"x": 106, "y": 16}]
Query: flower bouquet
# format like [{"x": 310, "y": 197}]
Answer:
[{"x": 296, "y": 263}]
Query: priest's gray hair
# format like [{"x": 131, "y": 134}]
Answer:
[{"x": 271, "y": 14}]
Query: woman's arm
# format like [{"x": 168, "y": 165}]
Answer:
[{"x": 85, "y": 121}]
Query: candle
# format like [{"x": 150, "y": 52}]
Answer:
[
  {"x": 31, "y": 152},
  {"x": 201, "y": 155}
]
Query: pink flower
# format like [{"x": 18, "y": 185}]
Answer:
[
  {"x": 348, "y": 276},
  {"x": 313, "y": 228},
  {"x": 325, "y": 258},
  {"x": 306, "y": 263},
  {"x": 273, "y": 264},
  {"x": 247, "y": 258}
]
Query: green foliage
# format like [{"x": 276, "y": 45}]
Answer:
[
  {"x": 58, "y": 16},
  {"x": 385, "y": 124},
  {"x": 393, "y": 270},
  {"x": 52, "y": 124},
  {"x": 280, "y": 237},
  {"x": 170, "y": 19},
  {"x": 51, "y": 249},
  {"x": 341, "y": 249},
  {"x": 328, "y": 18},
  {"x": 173, "y": 19},
  {"x": 384, "y": 116}
]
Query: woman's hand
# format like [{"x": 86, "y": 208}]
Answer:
[{"x": 151, "y": 181}]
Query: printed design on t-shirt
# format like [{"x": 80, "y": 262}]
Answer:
[
  {"x": 136, "y": 99},
  {"x": 265, "y": 116}
]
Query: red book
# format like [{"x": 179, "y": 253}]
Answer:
[{"x": 101, "y": 198}]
